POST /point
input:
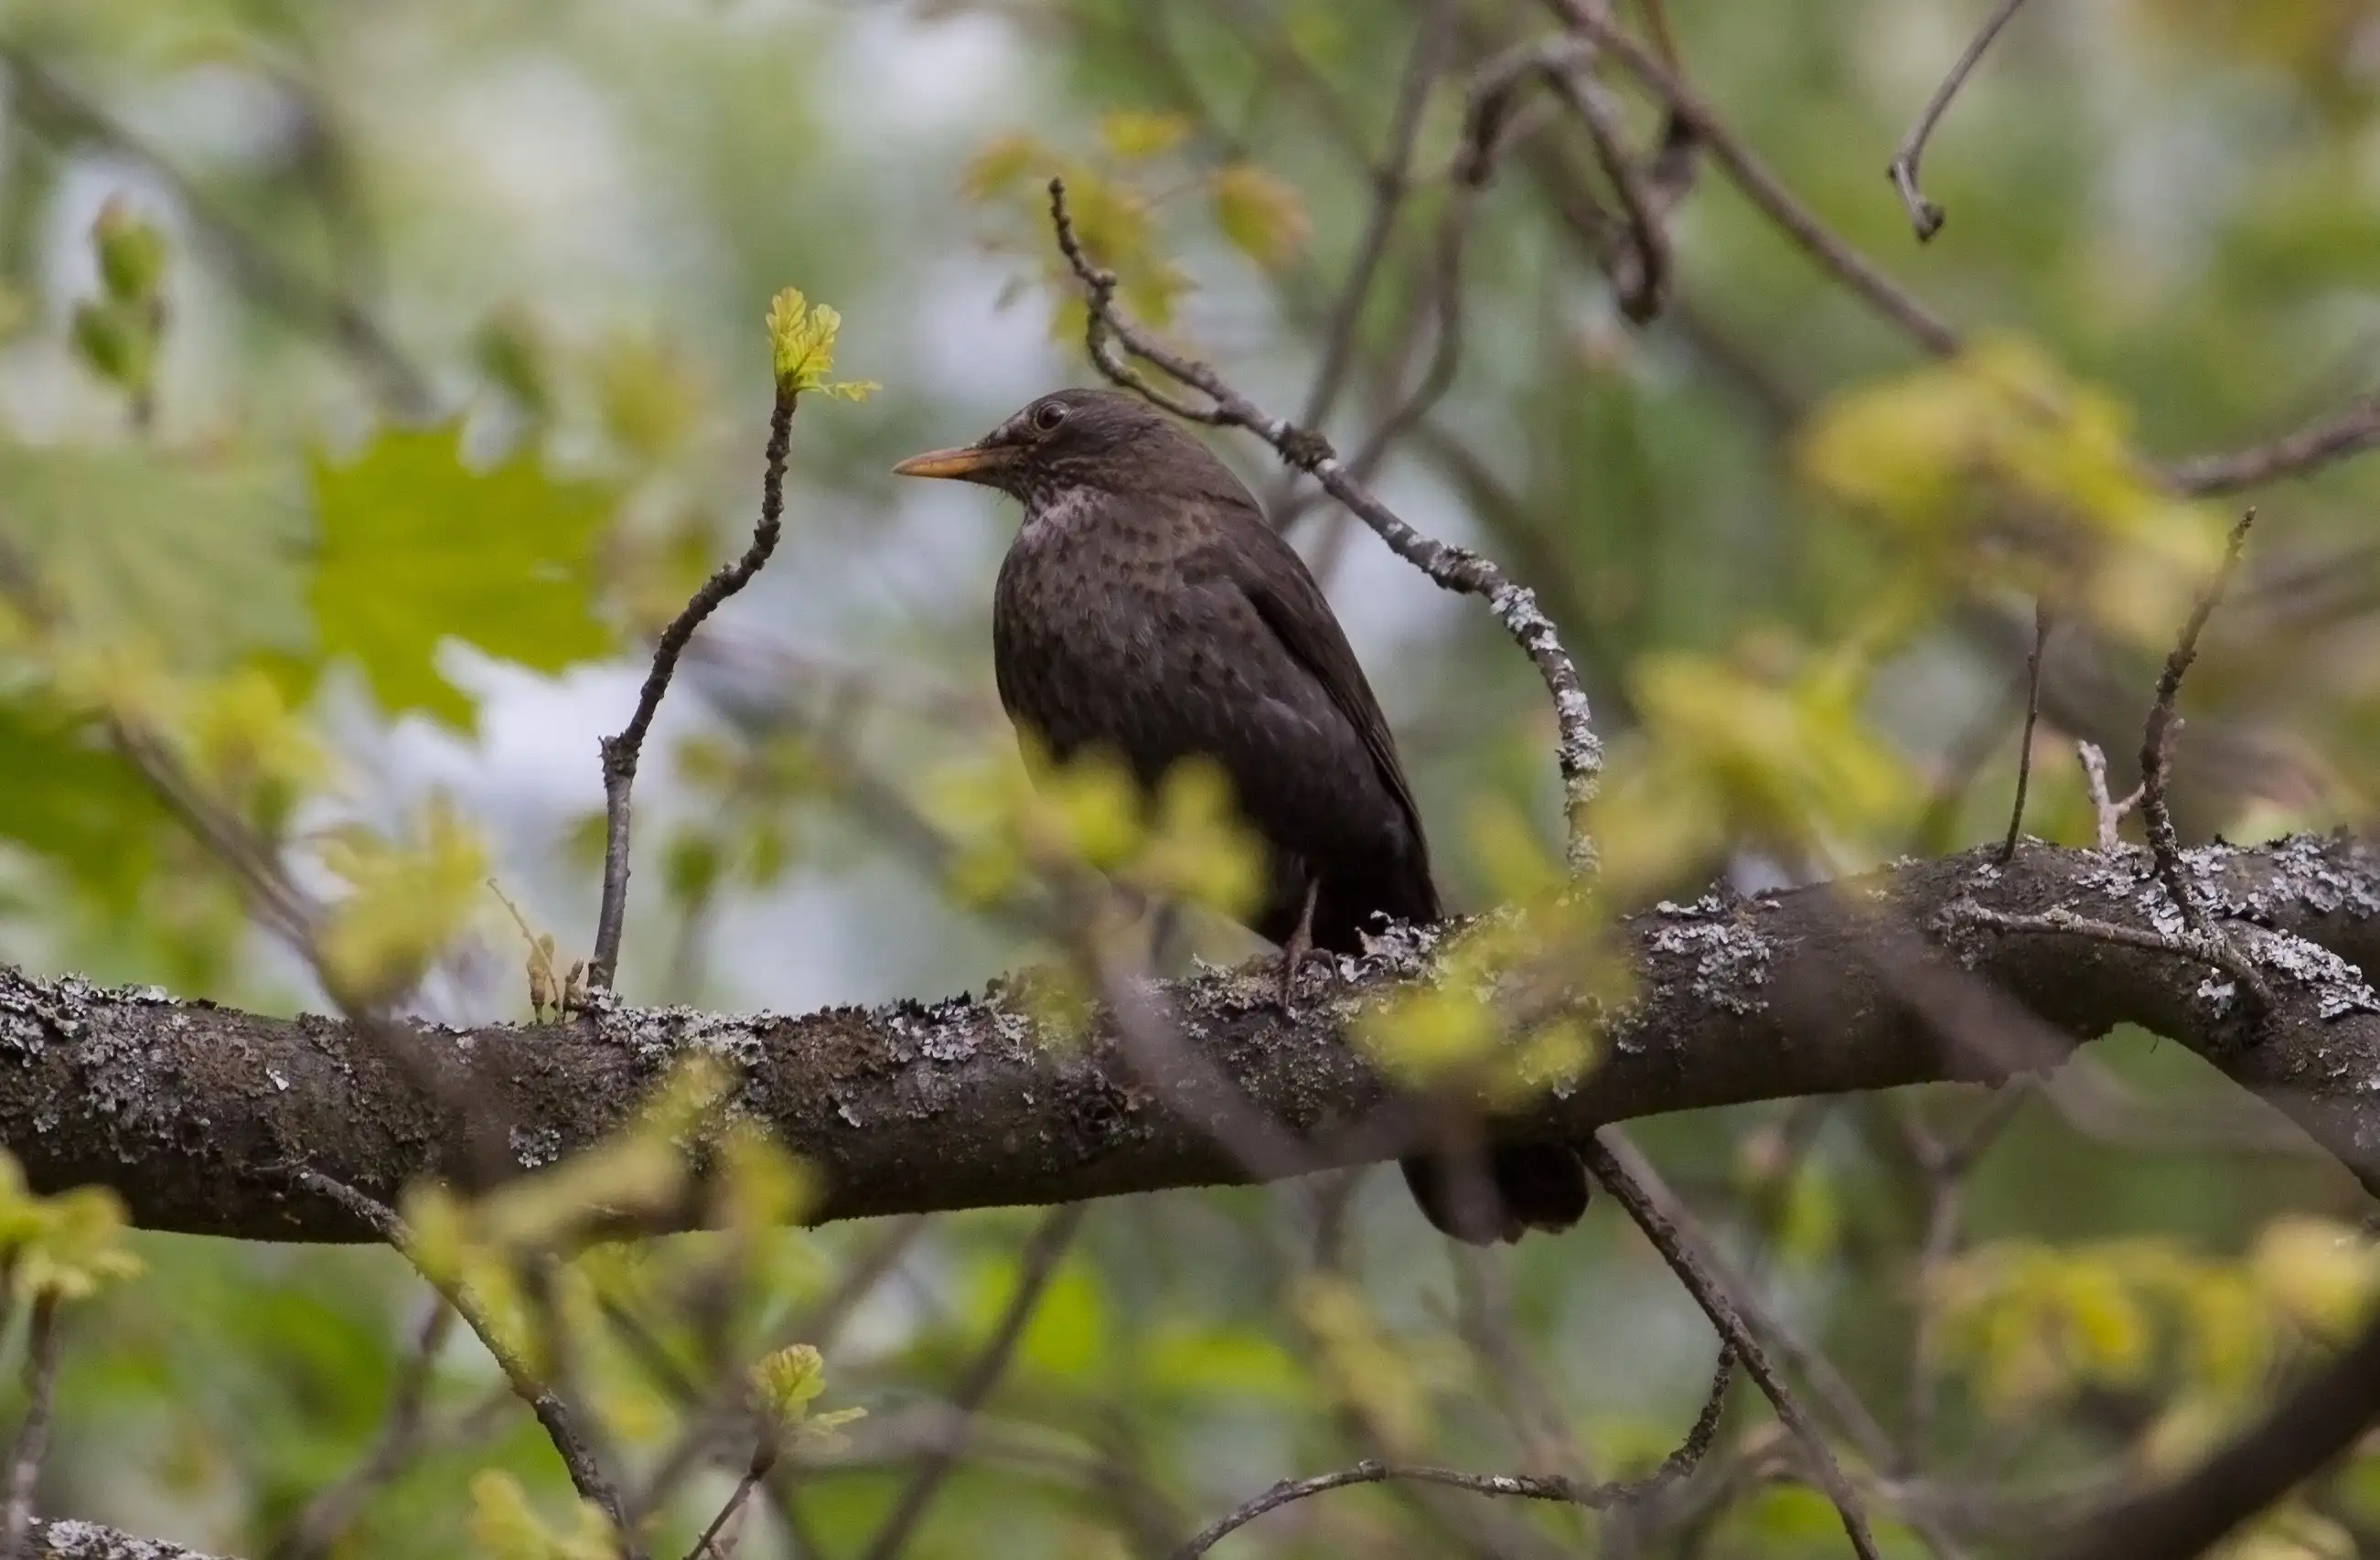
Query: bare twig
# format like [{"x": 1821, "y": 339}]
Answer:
[
  {"x": 710, "y": 1412},
  {"x": 1631, "y": 1184},
  {"x": 818, "y": 1324},
  {"x": 1391, "y": 182},
  {"x": 1035, "y": 1269},
  {"x": 1639, "y": 272},
  {"x": 332, "y": 1511},
  {"x": 2058, "y": 921},
  {"x": 33, "y": 1431},
  {"x": 2108, "y": 812},
  {"x": 1924, "y": 214},
  {"x": 560, "y": 1422},
  {"x": 1946, "y": 1166},
  {"x": 709, "y": 1542},
  {"x": 1761, "y": 185},
  {"x": 2156, "y": 752},
  {"x": 1577, "y": 751},
  {"x": 2032, "y": 715},
  {"x": 621, "y": 752},
  {"x": 1640, "y": 276},
  {"x": 2349, "y": 432},
  {"x": 1677, "y": 1465}
]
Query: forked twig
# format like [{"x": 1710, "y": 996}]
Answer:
[
  {"x": 1632, "y": 1187},
  {"x": 559, "y": 1423},
  {"x": 1679, "y": 1464},
  {"x": 2108, "y": 812}
]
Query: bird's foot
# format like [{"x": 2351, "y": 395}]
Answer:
[
  {"x": 1293, "y": 952},
  {"x": 1285, "y": 992}
]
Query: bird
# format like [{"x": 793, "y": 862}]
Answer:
[{"x": 1146, "y": 608}]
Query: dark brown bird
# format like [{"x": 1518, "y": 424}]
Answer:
[{"x": 1146, "y": 607}]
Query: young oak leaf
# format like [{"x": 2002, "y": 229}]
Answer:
[
  {"x": 801, "y": 345},
  {"x": 784, "y": 1385}
]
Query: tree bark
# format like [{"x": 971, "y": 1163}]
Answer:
[
  {"x": 196, "y": 1113},
  {"x": 89, "y": 1541}
]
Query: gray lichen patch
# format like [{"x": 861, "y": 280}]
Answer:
[
  {"x": 2339, "y": 986},
  {"x": 657, "y": 1036},
  {"x": 2306, "y": 872},
  {"x": 535, "y": 1149},
  {"x": 88, "y": 1541},
  {"x": 35, "y": 1012},
  {"x": 1731, "y": 960}
]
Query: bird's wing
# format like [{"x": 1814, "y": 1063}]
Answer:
[{"x": 1286, "y": 597}]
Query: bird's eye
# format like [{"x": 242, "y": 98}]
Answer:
[{"x": 1049, "y": 415}]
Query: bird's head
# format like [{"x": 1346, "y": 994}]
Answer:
[{"x": 1074, "y": 438}]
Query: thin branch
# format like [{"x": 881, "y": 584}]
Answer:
[
  {"x": 2157, "y": 749},
  {"x": 561, "y": 1424},
  {"x": 2032, "y": 717},
  {"x": 1577, "y": 751},
  {"x": 1632, "y": 1184},
  {"x": 706, "y": 1409},
  {"x": 1035, "y": 1269},
  {"x": 1946, "y": 1166},
  {"x": 2313, "y": 1427},
  {"x": 332, "y": 1511},
  {"x": 1761, "y": 185},
  {"x": 1677, "y": 1466},
  {"x": 709, "y": 1542},
  {"x": 621, "y": 752},
  {"x": 2335, "y": 438},
  {"x": 1642, "y": 283},
  {"x": 1924, "y": 214},
  {"x": 33, "y": 1431},
  {"x": 2058, "y": 921},
  {"x": 1391, "y": 182},
  {"x": 818, "y": 1325}
]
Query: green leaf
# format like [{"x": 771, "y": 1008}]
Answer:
[
  {"x": 418, "y": 547},
  {"x": 67, "y": 798},
  {"x": 801, "y": 343},
  {"x": 200, "y": 556}
]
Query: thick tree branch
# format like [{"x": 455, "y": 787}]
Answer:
[
  {"x": 89, "y": 1541},
  {"x": 194, "y": 1112}
]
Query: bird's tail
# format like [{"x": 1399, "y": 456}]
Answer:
[{"x": 1518, "y": 1188}]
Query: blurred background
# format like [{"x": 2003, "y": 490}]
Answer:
[{"x": 448, "y": 384}]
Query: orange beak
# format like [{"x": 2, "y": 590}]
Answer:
[{"x": 971, "y": 463}]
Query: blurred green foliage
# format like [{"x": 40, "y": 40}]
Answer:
[{"x": 1797, "y": 558}]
